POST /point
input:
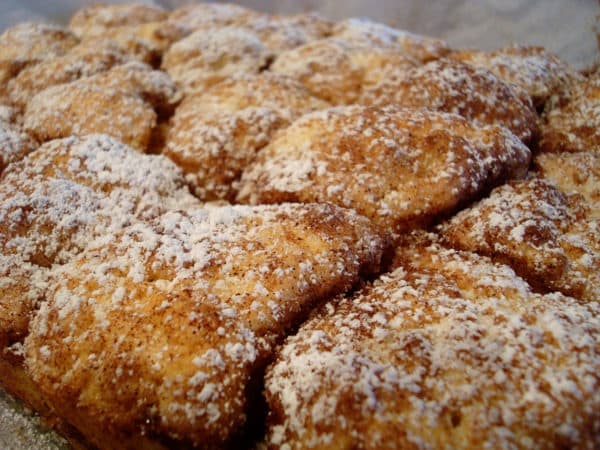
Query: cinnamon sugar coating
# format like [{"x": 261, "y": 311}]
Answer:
[
  {"x": 537, "y": 71},
  {"x": 451, "y": 86},
  {"x": 82, "y": 61},
  {"x": 135, "y": 316},
  {"x": 571, "y": 120},
  {"x": 573, "y": 172},
  {"x": 280, "y": 33},
  {"x": 206, "y": 294},
  {"x": 216, "y": 134},
  {"x": 95, "y": 19},
  {"x": 209, "y": 56},
  {"x": 365, "y": 32},
  {"x": 118, "y": 102},
  {"x": 336, "y": 70},
  {"x": 448, "y": 351},
  {"x": 14, "y": 144},
  {"x": 29, "y": 43},
  {"x": 58, "y": 198},
  {"x": 401, "y": 168},
  {"x": 206, "y": 15},
  {"x": 547, "y": 236}
]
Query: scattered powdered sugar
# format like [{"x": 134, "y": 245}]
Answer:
[
  {"x": 62, "y": 196},
  {"x": 199, "y": 289},
  {"x": 571, "y": 121},
  {"x": 31, "y": 42},
  {"x": 208, "y": 56},
  {"x": 215, "y": 135},
  {"x": 14, "y": 144},
  {"x": 426, "y": 352},
  {"x": 573, "y": 172},
  {"x": 365, "y": 31},
  {"x": 399, "y": 167},
  {"x": 535, "y": 70},
  {"x": 539, "y": 230},
  {"x": 454, "y": 87}
]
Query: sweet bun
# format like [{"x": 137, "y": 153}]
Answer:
[
  {"x": 280, "y": 33},
  {"x": 216, "y": 134},
  {"x": 402, "y": 168},
  {"x": 573, "y": 172},
  {"x": 229, "y": 229},
  {"x": 80, "y": 62},
  {"x": 571, "y": 121},
  {"x": 365, "y": 32},
  {"x": 120, "y": 102},
  {"x": 454, "y": 87},
  {"x": 29, "y": 43},
  {"x": 325, "y": 67},
  {"x": 60, "y": 197},
  {"x": 206, "y": 15},
  {"x": 14, "y": 144},
  {"x": 537, "y": 71},
  {"x": 448, "y": 351},
  {"x": 207, "y": 57},
  {"x": 95, "y": 19},
  {"x": 207, "y": 294},
  {"x": 547, "y": 236}
]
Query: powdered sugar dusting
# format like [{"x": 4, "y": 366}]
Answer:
[
  {"x": 398, "y": 167},
  {"x": 426, "y": 359},
  {"x": 191, "y": 279},
  {"x": 454, "y": 87},
  {"x": 545, "y": 234}
]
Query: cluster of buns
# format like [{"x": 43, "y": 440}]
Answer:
[{"x": 221, "y": 228}]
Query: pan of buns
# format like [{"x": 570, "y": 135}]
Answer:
[{"x": 222, "y": 228}]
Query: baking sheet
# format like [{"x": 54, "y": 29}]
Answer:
[{"x": 566, "y": 27}]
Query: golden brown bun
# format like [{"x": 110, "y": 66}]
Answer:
[
  {"x": 325, "y": 67},
  {"x": 365, "y": 32},
  {"x": 449, "y": 351},
  {"x": 573, "y": 172},
  {"x": 571, "y": 122},
  {"x": 401, "y": 168},
  {"x": 540, "y": 73},
  {"x": 336, "y": 70},
  {"x": 60, "y": 197},
  {"x": 547, "y": 236},
  {"x": 29, "y": 43},
  {"x": 14, "y": 144},
  {"x": 206, "y": 293},
  {"x": 82, "y": 61},
  {"x": 280, "y": 33},
  {"x": 205, "y": 15},
  {"x": 118, "y": 102},
  {"x": 451, "y": 86},
  {"x": 209, "y": 56},
  {"x": 216, "y": 134},
  {"x": 95, "y": 19}
]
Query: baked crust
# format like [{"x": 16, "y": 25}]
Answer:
[
  {"x": 571, "y": 120},
  {"x": 447, "y": 351},
  {"x": 573, "y": 172},
  {"x": 451, "y": 86},
  {"x": 132, "y": 315},
  {"x": 120, "y": 102},
  {"x": 537, "y": 71},
  {"x": 207, "y": 294},
  {"x": 547, "y": 236},
  {"x": 402, "y": 168},
  {"x": 59, "y": 198},
  {"x": 216, "y": 134}
]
